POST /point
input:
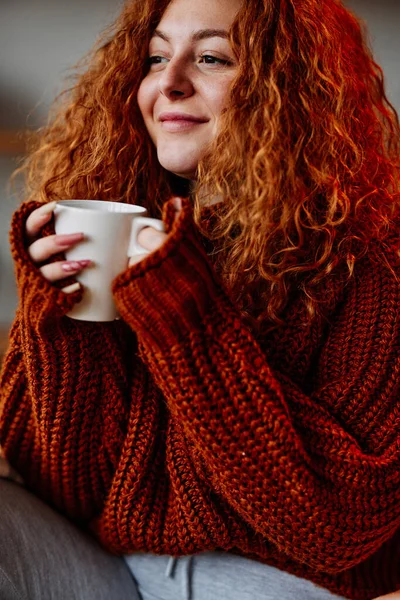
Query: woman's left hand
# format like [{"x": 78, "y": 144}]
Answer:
[
  {"x": 393, "y": 596},
  {"x": 151, "y": 239}
]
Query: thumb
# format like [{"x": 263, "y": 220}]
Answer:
[{"x": 177, "y": 203}]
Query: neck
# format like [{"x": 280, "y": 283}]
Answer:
[{"x": 206, "y": 198}]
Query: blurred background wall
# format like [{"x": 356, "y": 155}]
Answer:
[{"x": 41, "y": 39}]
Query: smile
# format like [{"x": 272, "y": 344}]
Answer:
[{"x": 181, "y": 125}]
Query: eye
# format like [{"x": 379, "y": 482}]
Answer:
[
  {"x": 220, "y": 61},
  {"x": 154, "y": 60},
  {"x": 208, "y": 59}
]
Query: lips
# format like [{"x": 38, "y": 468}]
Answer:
[
  {"x": 177, "y": 122},
  {"x": 180, "y": 125},
  {"x": 181, "y": 117}
]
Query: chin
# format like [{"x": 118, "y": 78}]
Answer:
[
  {"x": 180, "y": 156},
  {"x": 188, "y": 176},
  {"x": 179, "y": 168}
]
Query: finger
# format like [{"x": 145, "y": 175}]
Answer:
[
  {"x": 177, "y": 203},
  {"x": 70, "y": 289},
  {"x": 46, "y": 247},
  {"x": 62, "y": 269},
  {"x": 37, "y": 219},
  {"x": 135, "y": 259},
  {"x": 150, "y": 239}
]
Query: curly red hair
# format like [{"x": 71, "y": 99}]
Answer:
[{"x": 306, "y": 160}]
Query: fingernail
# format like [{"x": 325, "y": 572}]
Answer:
[
  {"x": 67, "y": 239},
  {"x": 48, "y": 208},
  {"x": 75, "y": 265},
  {"x": 69, "y": 289}
]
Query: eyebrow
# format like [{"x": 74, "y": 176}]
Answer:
[{"x": 201, "y": 34}]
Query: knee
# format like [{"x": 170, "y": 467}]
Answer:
[
  {"x": 24, "y": 519},
  {"x": 12, "y": 562},
  {"x": 12, "y": 512},
  {"x": 19, "y": 516}
]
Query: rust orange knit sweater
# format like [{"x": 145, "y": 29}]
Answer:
[{"x": 175, "y": 430}]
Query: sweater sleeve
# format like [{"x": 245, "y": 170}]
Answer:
[
  {"x": 65, "y": 385},
  {"x": 316, "y": 474}
]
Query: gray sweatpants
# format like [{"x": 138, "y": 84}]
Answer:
[{"x": 45, "y": 557}]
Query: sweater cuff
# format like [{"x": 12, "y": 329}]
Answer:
[
  {"x": 169, "y": 293},
  {"x": 39, "y": 297}
]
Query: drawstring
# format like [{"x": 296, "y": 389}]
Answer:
[
  {"x": 187, "y": 578},
  {"x": 186, "y": 574},
  {"x": 170, "y": 570}
]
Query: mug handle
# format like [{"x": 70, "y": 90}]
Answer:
[{"x": 138, "y": 224}]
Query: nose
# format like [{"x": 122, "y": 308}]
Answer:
[{"x": 175, "y": 80}]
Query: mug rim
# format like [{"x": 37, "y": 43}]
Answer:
[{"x": 74, "y": 204}]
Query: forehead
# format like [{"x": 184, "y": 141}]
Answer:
[{"x": 184, "y": 16}]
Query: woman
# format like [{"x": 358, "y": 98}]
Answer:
[{"x": 244, "y": 412}]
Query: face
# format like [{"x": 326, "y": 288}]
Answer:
[{"x": 191, "y": 69}]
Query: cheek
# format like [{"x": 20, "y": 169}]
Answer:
[
  {"x": 218, "y": 96},
  {"x": 144, "y": 98}
]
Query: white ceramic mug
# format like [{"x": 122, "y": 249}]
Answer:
[{"x": 110, "y": 230}]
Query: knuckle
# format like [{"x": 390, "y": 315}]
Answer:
[
  {"x": 30, "y": 220},
  {"x": 137, "y": 258},
  {"x": 30, "y": 228},
  {"x": 151, "y": 238},
  {"x": 143, "y": 233},
  {"x": 41, "y": 249},
  {"x": 53, "y": 271},
  {"x": 32, "y": 250},
  {"x": 34, "y": 221},
  {"x": 48, "y": 272},
  {"x": 38, "y": 218}
]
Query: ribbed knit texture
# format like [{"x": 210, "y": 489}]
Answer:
[{"x": 175, "y": 430}]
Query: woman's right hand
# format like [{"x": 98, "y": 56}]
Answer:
[{"x": 41, "y": 249}]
